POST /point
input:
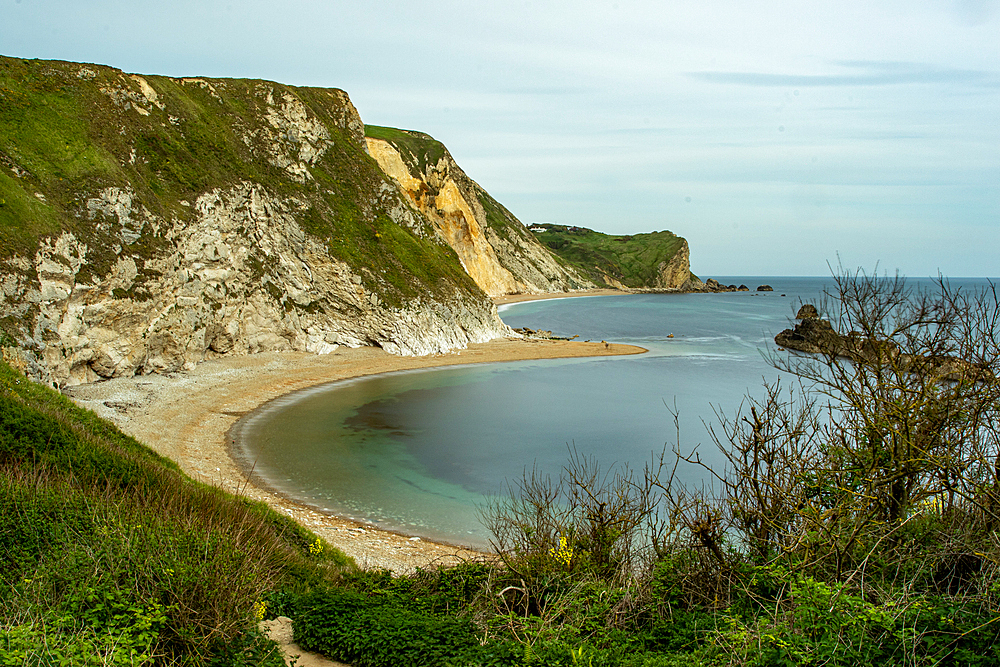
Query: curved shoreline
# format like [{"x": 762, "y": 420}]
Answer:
[
  {"x": 187, "y": 417},
  {"x": 238, "y": 446}
]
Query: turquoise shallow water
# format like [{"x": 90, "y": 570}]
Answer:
[{"x": 419, "y": 451}]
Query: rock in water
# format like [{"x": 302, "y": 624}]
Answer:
[{"x": 814, "y": 336}]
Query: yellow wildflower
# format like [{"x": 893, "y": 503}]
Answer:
[{"x": 563, "y": 554}]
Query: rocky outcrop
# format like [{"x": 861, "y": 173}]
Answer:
[
  {"x": 806, "y": 311},
  {"x": 494, "y": 247},
  {"x": 817, "y": 336},
  {"x": 213, "y": 217},
  {"x": 713, "y": 285},
  {"x": 241, "y": 277}
]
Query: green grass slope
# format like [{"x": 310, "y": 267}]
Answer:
[
  {"x": 631, "y": 260},
  {"x": 109, "y": 554}
]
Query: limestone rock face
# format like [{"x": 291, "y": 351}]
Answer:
[
  {"x": 676, "y": 273},
  {"x": 496, "y": 250},
  {"x": 241, "y": 277}
]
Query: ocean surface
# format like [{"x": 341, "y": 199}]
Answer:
[{"x": 420, "y": 451}]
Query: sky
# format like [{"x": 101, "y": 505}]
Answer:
[{"x": 778, "y": 137}]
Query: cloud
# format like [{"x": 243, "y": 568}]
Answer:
[{"x": 874, "y": 73}]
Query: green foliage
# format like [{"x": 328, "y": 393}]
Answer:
[
  {"x": 632, "y": 260},
  {"x": 347, "y": 626},
  {"x": 107, "y": 549},
  {"x": 819, "y": 623},
  {"x": 28, "y": 645},
  {"x": 437, "y": 590}
]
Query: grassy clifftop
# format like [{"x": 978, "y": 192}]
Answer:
[{"x": 634, "y": 261}]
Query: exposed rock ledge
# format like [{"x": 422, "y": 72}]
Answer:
[{"x": 240, "y": 277}]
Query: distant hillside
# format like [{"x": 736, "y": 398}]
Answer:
[{"x": 658, "y": 260}]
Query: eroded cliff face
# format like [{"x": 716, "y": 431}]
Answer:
[
  {"x": 494, "y": 247},
  {"x": 242, "y": 277},
  {"x": 209, "y": 217},
  {"x": 676, "y": 273},
  {"x": 438, "y": 197}
]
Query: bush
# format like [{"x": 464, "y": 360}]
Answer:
[{"x": 350, "y": 627}]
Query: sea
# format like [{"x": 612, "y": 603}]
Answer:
[{"x": 421, "y": 452}]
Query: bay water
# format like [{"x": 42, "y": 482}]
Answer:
[{"x": 420, "y": 451}]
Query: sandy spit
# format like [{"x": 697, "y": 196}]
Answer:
[{"x": 186, "y": 416}]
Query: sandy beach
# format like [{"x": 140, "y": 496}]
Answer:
[
  {"x": 517, "y": 298},
  {"x": 186, "y": 416}
]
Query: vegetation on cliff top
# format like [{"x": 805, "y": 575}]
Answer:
[
  {"x": 634, "y": 261},
  {"x": 417, "y": 149}
]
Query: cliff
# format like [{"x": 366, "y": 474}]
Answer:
[
  {"x": 147, "y": 223},
  {"x": 500, "y": 254},
  {"x": 658, "y": 260}
]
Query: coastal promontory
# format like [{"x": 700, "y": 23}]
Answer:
[{"x": 148, "y": 223}]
